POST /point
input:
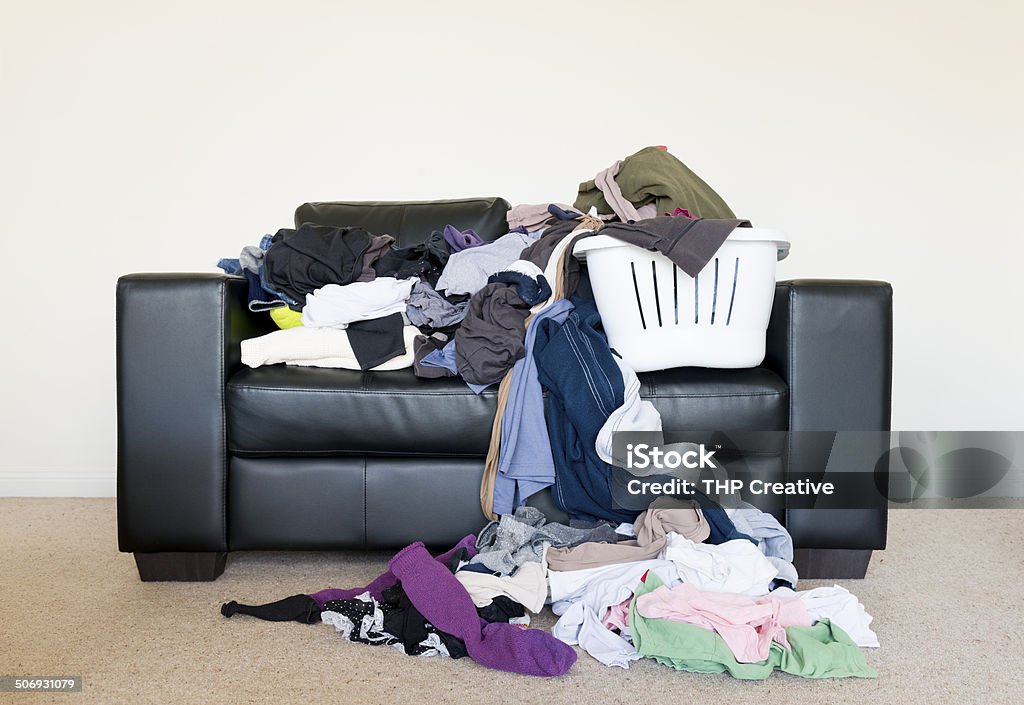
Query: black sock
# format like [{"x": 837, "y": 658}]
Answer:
[{"x": 297, "y": 608}]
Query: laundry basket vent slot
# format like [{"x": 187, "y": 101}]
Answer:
[
  {"x": 675, "y": 291},
  {"x": 636, "y": 290},
  {"x": 657, "y": 292},
  {"x": 714, "y": 296},
  {"x": 696, "y": 299},
  {"x": 732, "y": 297}
]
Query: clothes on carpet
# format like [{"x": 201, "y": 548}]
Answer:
[
  {"x": 394, "y": 620},
  {"x": 505, "y": 313},
  {"x": 416, "y": 634},
  {"x": 582, "y": 597},
  {"x": 521, "y": 537},
  {"x": 747, "y": 625},
  {"x": 364, "y": 620},
  {"x": 297, "y": 608},
  {"x": 466, "y": 547},
  {"x": 664, "y": 515},
  {"x": 503, "y": 608},
  {"x": 527, "y": 585},
  {"x": 442, "y": 600},
  {"x": 771, "y": 537},
  {"x": 734, "y": 566},
  {"x": 722, "y": 527},
  {"x": 820, "y": 651},
  {"x": 839, "y": 606}
]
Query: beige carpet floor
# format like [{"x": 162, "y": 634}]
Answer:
[{"x": 947, "y": 598}]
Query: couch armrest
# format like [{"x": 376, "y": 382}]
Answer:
[
  {"x": 177, "y": 343},
  {"x": 831, "y": 340}
]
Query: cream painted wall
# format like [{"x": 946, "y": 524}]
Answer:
[{"x": 885, "y": 137}]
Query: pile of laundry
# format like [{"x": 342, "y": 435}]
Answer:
[
  {"x": 502, "y": 313},
  {"x": 455, "y": 304},
  {"x": 688, "y": 584}
]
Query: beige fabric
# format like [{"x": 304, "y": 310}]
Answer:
[
  {"x": 317, "y": 347},
  {"x": 491, "y": 462},
  {"x": 528, "y": 587},
  {"x": 665, "y": 514}
]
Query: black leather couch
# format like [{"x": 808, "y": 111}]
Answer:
[{"x": 215, "y": 457}]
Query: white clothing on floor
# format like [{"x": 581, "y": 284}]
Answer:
[
  {"x": 841, "y": 607},
  {"x": 733, "y": 566},
  {"x": 581, "y": 598}
]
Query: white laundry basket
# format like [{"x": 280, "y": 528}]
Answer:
[{"x": 657, "y": 316}]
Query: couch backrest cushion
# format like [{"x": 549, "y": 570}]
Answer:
[{"x": 411, "y": 222}]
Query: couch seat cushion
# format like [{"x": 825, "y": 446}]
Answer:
[{"x": 281, "y": 410}]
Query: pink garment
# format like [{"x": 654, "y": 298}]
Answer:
[
  {"x": 682, "y": 212},
  {"x": 531, "y": 216},
  {"x": 748, "y": 625},
  {"x": 617, "y": 616}
]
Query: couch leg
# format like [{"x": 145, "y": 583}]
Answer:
[
  {"x": 831, "y": 563},
  {"x": 180, "y": 566}
]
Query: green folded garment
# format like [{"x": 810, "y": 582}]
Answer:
[
  {"x": 821, "y": 651},
  {"x": 653, "y": 175}
]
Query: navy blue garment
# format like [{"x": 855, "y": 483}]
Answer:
[
  {"x": 562, "y": 214},
  {"x": 531, "y": 291},
  {"x": 722, "y": 528},
  {"x": 575, "y": 365},
  {"x": 259, "y": 298}
]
